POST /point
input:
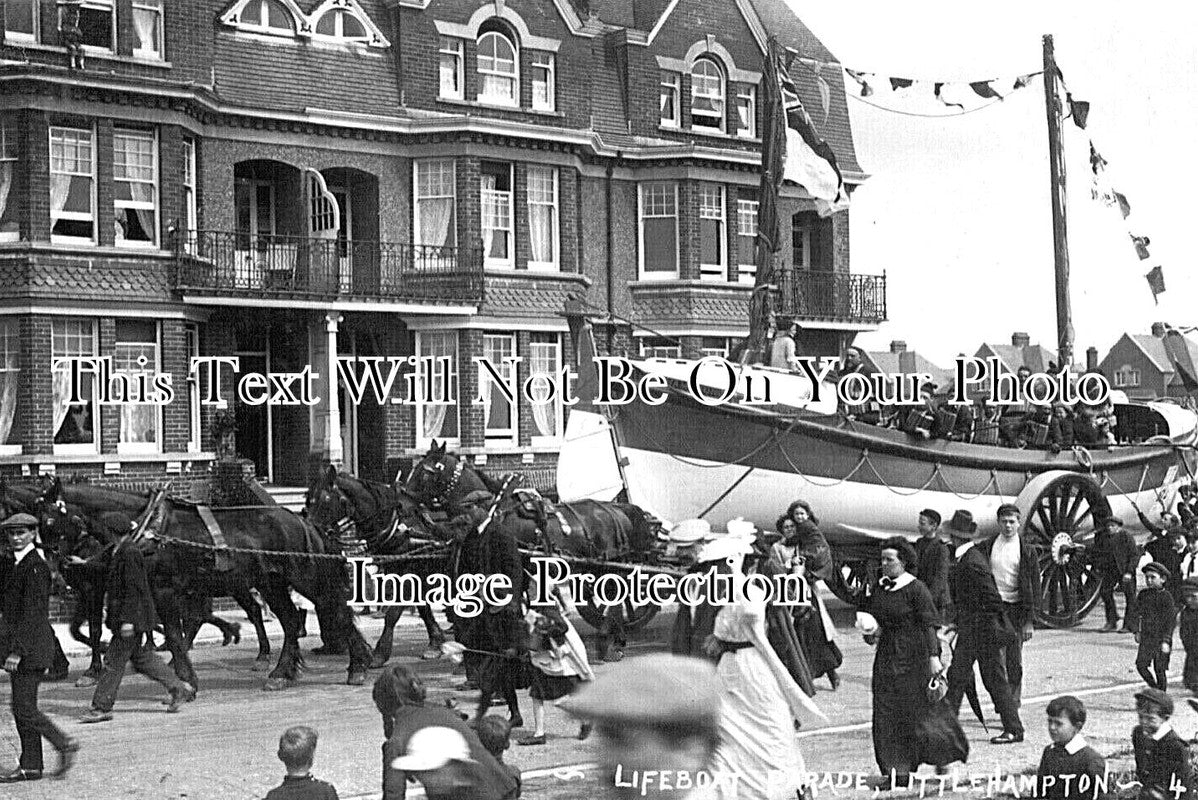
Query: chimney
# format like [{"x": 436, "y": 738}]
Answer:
[
  {"x": 1091, "y": 358},
  {"x": 907, "y": 362},
  {"x": 1019, "y": 339},
  {"x": 1158, "y": 330},
  {"x": 898, "y": 346}
]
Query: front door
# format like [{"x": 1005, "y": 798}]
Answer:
[
  {"x": 253, "y": 422},
  {"x": 345, "y": 235}
]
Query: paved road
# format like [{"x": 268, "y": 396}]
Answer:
[{"x": 222, "y": 746}]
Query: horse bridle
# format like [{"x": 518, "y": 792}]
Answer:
[
  {"x": 437, "y": 470},
  {"x": 348, "y": 530}
]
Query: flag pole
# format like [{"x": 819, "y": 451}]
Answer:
[
  {"x": 772, "y": 144},
  {"x": 1060, "y": 238}
]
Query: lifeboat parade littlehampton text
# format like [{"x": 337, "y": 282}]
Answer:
[{"x": 411, "y": 380}]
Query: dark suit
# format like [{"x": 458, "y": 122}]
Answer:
[
  {"x": 1115, "y": 557},
  {"x": 980, "y": 636},
  {"x": 25, "y": 631},
  {"x": 1020, "y": 613},
  {"x": 932, "y": 567},
  {"x": 1161, "y": 764}
]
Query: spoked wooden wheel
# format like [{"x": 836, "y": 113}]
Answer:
[
  {"x": 1059, "y": 513},
  {"x": 635, "y": 617}
]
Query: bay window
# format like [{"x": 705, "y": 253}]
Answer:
[
  {"x": 498, "y": 411},
  {"x": 9, "y": 231},
  {"x": 658, "y": 207},
  {"x": 438, "y": 420},
  {"x": 147, "y": 24},
  {"x": 452, "y": 57},
  {"x": 72, "y": 185},
  {"x": 545, "y": 360},
  {"x": 76, "y": 425},
  {"x": 191, "y": 350},
  {"x": 707, "y": 95},
  {"x": 496, "y": 200},
  {"x": 136, "y": 353},
  {"x": 714, "y": 346},
  {"x": 190, "y": 207},
  {"x": 660, "y": 347},
  {"x": 434, "y": 215},
  {"x": 543, "y": 79},
  {"x": 9, "y": 372},
  {"x": 135, "y": 188},
  {"x": 499, "y": 70},
  {"x": 746, "y": 231},
  {"x": 542, "y": 218},
  {"x": 712, "y": 238}
]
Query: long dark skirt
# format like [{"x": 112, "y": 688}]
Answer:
[
  {"x": 822, "y": 655},
  {"x": 899, "y": 702}
]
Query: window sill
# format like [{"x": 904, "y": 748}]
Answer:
[
  {"x": 101, "y": 458},
  {"x": 90, "y": 52},
  {"x": 452, "y": 101},
  {"x": 84, "y": 248},
  {"x": 728, "y": 137},
  {"x": 681, "y": 285},
  {"x": 538, "y": 275},
  {"x": 10, "y": 450},
  {"x": 505, "y": 449}
]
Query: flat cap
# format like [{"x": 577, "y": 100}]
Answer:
[
  {"x": 1158, "y": 568},
  {"x": 1153, "y": 695},
  {"x": 651, "y": 690},
  {"x": 21, "y": 520}
]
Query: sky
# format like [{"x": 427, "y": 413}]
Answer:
[{"x": 957, "y": 210}]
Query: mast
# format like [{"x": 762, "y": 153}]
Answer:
[
  {"x": 1060, "y": 238},
  {"x": 768, "y": 229}
]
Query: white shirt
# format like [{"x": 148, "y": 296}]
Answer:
[
  {"x": 1189, "y": 565},
  {"x": 1162, "y": 731},
  {"x": 24, "y": 551},
  {"x": 900, "y": 582},
  {"x": 1004, "y": 563},
  {"x": 1075, "y": 744},
  {"x": 960, "y": 551}
]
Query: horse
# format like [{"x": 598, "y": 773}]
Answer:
[
  {"x": 585, "y": 529},
  {"x": 378, "y": 519},
  {"x": 284, "y": 552}
]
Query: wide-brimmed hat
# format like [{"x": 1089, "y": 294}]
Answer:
[
  {"x": 21, "y": 520},
  {"x": 433, "y": 748},
  {"x": 962, "y": 522}
]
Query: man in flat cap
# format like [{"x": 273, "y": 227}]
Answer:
[
  {"x": 1115, "y": 555},
  {"x": 130, "y": 617},
  {"x": 656, "y": 716},
  {"x": 1158, "y": 615},
  {"x": 27, "y": 644}
]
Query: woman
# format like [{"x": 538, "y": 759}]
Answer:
[
  {"x": 559, "y": 658},
  {"x": 813, "y": 624},
  {"x": 759, "y": 700},
  {"x": 908, "y": 656}
]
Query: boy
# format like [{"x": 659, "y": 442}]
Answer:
[
  {"x": 1069, "y": 754},
  {"x": 1158, "y": 615},
  {"x": 1114, "y": 554},
  {"x": 297, "y": 751},
  {"x": 439, "y": 759},
  {"x": 1162, "y": 758},
  {"x": 1189, "y": 633},
  {"x": 494, "y": 733}
]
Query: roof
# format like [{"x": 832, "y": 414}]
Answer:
[
  {"x": 887, "y": 362},
  {"x": 1035, "y": 357},
  {"x": 780, "y": 19},
  {"x": 1154, "y": 348}
]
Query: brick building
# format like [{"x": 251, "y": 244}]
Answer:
[{"x": 288, "y": 181}]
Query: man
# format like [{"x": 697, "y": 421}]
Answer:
[
  {"x": 1016, "y": 572},
  {"x": 27, "y": 643},
  {"x": 657, "y": 717},
  {"x": 784, "y": 352},
  {"x": 130, "y": 617},
  {"x": 1115, "y": 556},
  {"x": 981, "y": 634},
  {"x": 934, "y": 558}
]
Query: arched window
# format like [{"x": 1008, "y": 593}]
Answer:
[
  {"x": 707, "y": 95},
  {"x": 338, "y": 23},
  {"x": 267, "y": 16},
  {"x": 499, "y": 68}
]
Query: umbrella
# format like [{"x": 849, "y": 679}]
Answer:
[{"x": 971, "y": 688}]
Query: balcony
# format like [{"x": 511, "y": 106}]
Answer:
[
  {"x": 274, "y": 267},
  {"x": 833, "y": 296}
]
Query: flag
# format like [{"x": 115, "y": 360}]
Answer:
[
  {"x": 1079, "y": 110},
  {"x": 1141, "y": 244},
  {"x": 900, "y": 83},
  {"x": 1124, "y": 206},
  {"x": 936, "y": 91},
  {"x": 1156, "y": 281},
  {"x": 1097, "y": 162},
  {"x": 805, "y": 158},
  {"x": 984, "y": 89},
  {"x": 866, "y": 89},
  {"x": 1021, "y": 81}
]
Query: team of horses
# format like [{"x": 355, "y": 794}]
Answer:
[{"x": 194, "y": 554}]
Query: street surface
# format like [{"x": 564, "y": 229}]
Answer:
[{"x": 223, "y": 745}]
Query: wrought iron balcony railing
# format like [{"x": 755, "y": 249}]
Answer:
[
  {"x": 225, "y": 263},
  {"x": 833, "y": 296}
]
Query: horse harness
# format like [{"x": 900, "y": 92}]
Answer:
[{"x": 442, "y": 497}]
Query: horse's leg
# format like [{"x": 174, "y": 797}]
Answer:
[
  {"x": 278, "y": 597},
  {"x": 382, "y": 648},
  {"x": 436, "y": 636},
  {"x": 230, "y": 632},
  {"x": 170, "y": 611},
  {"x": 332, "y": 632},
  {"x": 245, "y": 598}
]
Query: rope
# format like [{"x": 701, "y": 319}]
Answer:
[
  {"x": 726, "y": 492},
  {"x": 922, "y": 116}
]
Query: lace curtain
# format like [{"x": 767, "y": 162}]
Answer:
[
  {"x": 8, "y": 401},
  {"x": 540, "y": 228},
  {"x": 145, "y": 22},
  {"x": 544, "y": 415},
  {"x": 60, "y": 189},
  {"x": 5, "y": 184},
  {"x": 62, "y": 386},
  {"x": 435, "y": 216},
  {"x": 438, "y": 346},
  {"x": 144, "y": 193}
]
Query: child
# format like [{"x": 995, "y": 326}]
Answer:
[
  {"x": 1157, "y": 615},
  {"x": 1189, "y": 633},
  {"x": 297, "y": 751},
  {"x": 559, "y": 659},
  {"x": 495, "y": 734},
  {"x": 1162, "y": 758},
  {"x": 1069, "y": 754}
]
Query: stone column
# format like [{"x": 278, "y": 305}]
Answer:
[{"x": 336, "y": 448}]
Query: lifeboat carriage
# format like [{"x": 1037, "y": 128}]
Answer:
[{"x": 684, "y": 458}]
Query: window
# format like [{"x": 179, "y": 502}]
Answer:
[
  {"x": 712, "y": 238},
  {"x": 338, "y": 23},
  {"x": 660, "y": 347},
  {"x": 9, "y": 231},
  {"x": 135, "y": 188},
  {"x": 1127, "y": 377},
  {"x": 190, "y": 208},
  {"x": 801, "y": 243},
  {"x": 545, "y": 358},
  {"x": 20, "y": 20},
  {"x": 75, "y": 424},
  {"x": 543, "y": 89},
  {"x": 452, "y": 60},
  {"x": 746, "y": 112},
  {"x": 9, "y": 371},
  {"x": 714, "y": 346},
  {"x": 266, "y": 16},
  {"x": 136, "y": 353},
  {"x": 498, "y": 67},
  {"x": 542, "y": 218},
  {"x": 72, "y": 185},
  {"x": 435, "y": 199},
  {"x": 94, "y": 20},
  {"x": 191, "y": 349},
  {"x": 147, "y": 24},
  {"x": 496, "y": 198},
  {"x": 669, "y": 99},
  {"x": 707, "y": 95},
  {"x": 438, "y": 420},
  {"x": 500, "y": 415},
  {"x": 746, "y": 231},
  {"x": 659, "y": 230}
]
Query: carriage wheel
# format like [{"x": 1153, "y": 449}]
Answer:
[
  {"x": 1059, "y": 511},
  {"x": 635, "y": 618},
  {"x": 850, "y": 579}
]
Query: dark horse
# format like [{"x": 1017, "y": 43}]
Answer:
[
  {"x": 586, "y": 529},
  {"x": 378, "y": 518},
  {"x": 288, "y": 554}
]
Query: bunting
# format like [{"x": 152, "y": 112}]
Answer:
[
  {"x": 1156, "y": 282},
  {"x": 986, "y": 90}
]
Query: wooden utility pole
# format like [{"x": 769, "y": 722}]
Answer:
[{"x": 1060, "y": 237}]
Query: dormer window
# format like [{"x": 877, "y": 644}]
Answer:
[
  {"x": 707, "y": 95},
  {"x": 338, "y": 23},
  {"x": 499, "y": 69},
  {"x": 266, "y": 16}
]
